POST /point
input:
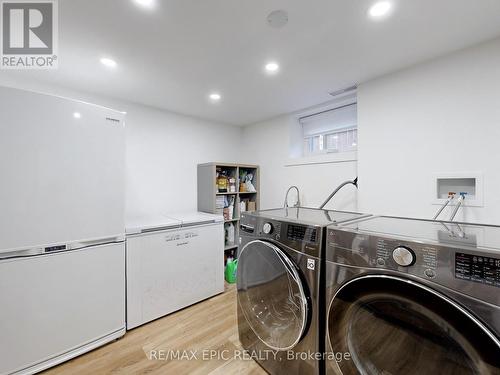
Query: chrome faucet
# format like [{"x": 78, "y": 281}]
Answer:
[{"x": 286, "y": 197}]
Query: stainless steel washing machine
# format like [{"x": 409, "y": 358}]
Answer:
[
  {"x": 406, "y": 296},
  {"x": 278, "y": 283}
]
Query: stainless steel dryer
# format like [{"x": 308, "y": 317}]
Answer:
[
  {"x": 279, "y": 296},
  {"x": 406, "y": 296}
]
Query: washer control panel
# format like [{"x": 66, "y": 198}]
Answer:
[
  {"x": 301, "y": 237},
  {"x": 301, "y": 233},
  {"x": 267, "y": 228}
]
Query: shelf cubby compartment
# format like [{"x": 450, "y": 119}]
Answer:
[{"x": 211, "y": 200}]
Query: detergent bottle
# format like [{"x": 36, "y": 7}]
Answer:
[{"x": 230, "y": 272}]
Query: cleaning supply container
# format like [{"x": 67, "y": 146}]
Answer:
[{"x": 230, "y": 272}]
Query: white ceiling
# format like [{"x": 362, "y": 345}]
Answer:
[{"x": 173, "y": 56}]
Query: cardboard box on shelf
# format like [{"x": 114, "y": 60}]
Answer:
[{"x": 225, "y": 212}]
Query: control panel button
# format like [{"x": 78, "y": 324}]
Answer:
[
  {"x": 430, "y": 273},
  {"x": 267, "y": 228},
  {"x": 403, "y": 256}
]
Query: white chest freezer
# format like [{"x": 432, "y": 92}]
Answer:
[{"x": 172, "y": 262}]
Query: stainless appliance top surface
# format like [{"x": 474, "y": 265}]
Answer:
[
  {"x": 438, "y": 232},
  {"x": 309, "y": 216}
]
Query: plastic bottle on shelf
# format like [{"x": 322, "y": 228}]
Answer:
[
  {"x": 231, "y": 208},
  {"x": 230, "y": 234},
  {"x": 232, "y": 185}
]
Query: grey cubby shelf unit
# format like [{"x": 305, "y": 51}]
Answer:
[{"x": 208, "y": 192}]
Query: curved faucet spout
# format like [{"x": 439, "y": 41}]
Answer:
[
  {"x": 353, "y": 182},
  {"x": 285, "y": 205}
]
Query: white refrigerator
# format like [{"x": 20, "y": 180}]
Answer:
[{"x": 62, "y": 250}]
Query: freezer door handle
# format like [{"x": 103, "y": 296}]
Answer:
[
  {"x": 22, "y": 253},
  {"x": 197, "y": 223}
]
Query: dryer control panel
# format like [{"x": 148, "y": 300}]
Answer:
[
  {"x": 383, "y": 253},
  {"x": 446, "y": 265},
  {"x": 418, "y": 259},
  {"x": 481, "y": 269}
]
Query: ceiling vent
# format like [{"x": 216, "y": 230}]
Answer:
[
  {"x": 277, "y": 19},
  {"x": 346, "y": 90}
]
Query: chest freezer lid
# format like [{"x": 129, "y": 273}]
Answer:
[
  {"x": 150, "y": 223},
  {"x": 188, "y": 219}
]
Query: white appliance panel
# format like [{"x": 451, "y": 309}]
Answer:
[
  {"x": 172, "y": 269},
  {"x": 138, "y": 225},
  {"x": 194, "y": 218},
  {"x": 54, "y": 304},
  {"x": 62, "y": 177}
]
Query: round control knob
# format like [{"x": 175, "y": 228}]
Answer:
[
  {"x": 403, "y": 256},
  {"x": 430, "y": 273},
  {"x": 267, "y": 228},
  {"x": 381, "y": 261}
]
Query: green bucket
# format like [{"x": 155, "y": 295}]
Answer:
[{"x": 230, "y": 272}]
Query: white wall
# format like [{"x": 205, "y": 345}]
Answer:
[
  {"x": 268, "y": 144},
  {"x": 441, "y": 116},
  {"x": 163, "y": 150}
]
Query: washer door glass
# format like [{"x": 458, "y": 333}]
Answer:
[
  {"x": 271, "y": 295},
  {"x": 393, "y": 326}
]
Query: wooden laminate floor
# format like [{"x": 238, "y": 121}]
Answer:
[{"x": 208, "y": 328}]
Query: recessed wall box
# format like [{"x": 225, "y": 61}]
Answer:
[{"x": 470, "y": 183}]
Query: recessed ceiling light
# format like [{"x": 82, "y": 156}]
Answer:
[
  {"x": 215, "y": 97},
  {"x": 110, "y": 63},
  {"x": 272, "y": 67},
  {"x": 77, "y": 115},
  {"x": 145, "y": 3},
  {"x": 380, "y": 9}
]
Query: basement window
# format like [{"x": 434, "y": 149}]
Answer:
[{"x": 331, "y": 131}]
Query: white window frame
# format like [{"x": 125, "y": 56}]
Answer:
[
  {"x": 323, "y": 145},
  {"x": 297, "y": 157}
]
